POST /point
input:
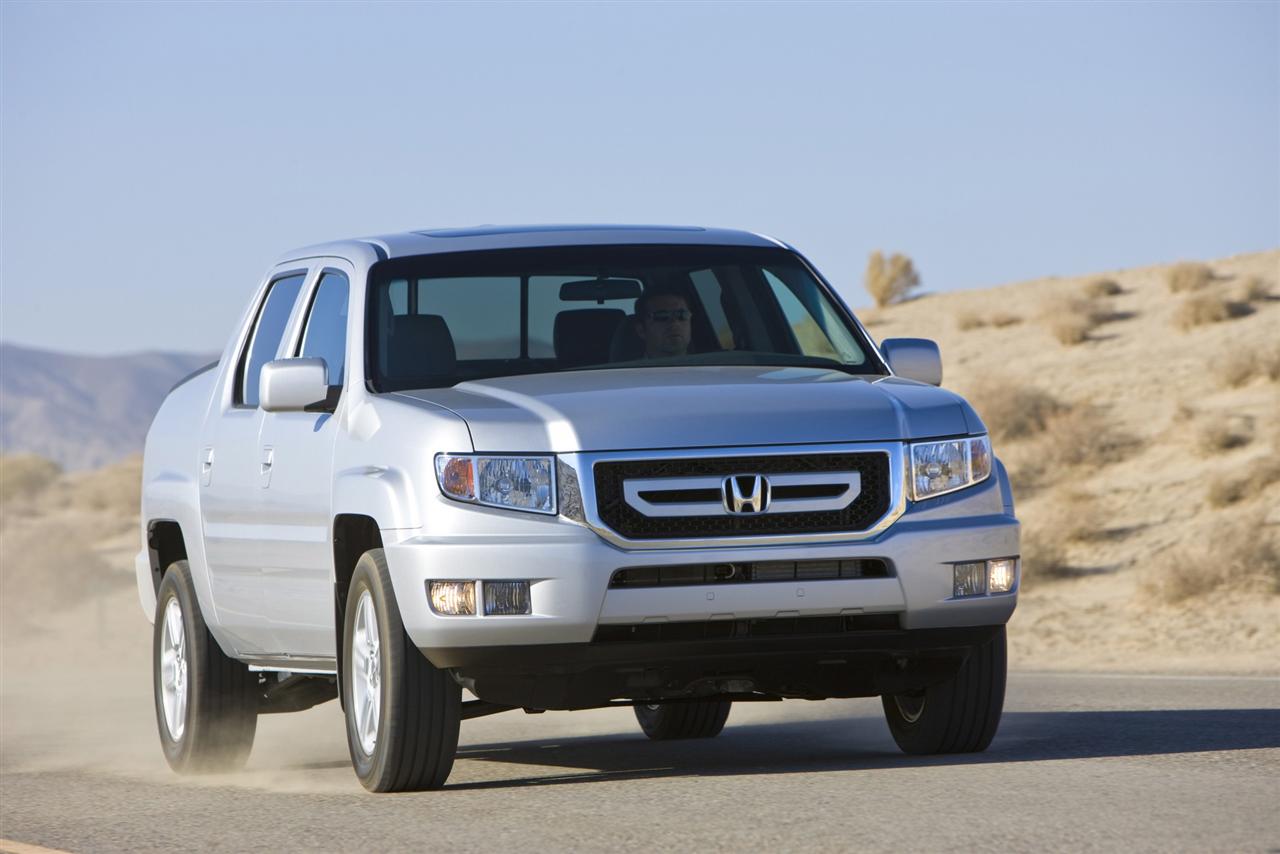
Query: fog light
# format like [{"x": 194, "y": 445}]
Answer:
[
  {"x": 1001, "y": 574},
  {"x": 506, "y": 597},
  {"x": 453, "y": 598},
  {"x": 970, "y": 579}
]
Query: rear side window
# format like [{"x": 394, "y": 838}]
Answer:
[
  {"x": 325, "y": 335},
  {"x": 264, "y": 343}
]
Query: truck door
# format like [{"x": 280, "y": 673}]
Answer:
[
  {"x": 231, "y": 467},
  {"x": 297, "y": 484}
]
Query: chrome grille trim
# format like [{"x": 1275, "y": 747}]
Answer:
[{"x": 583, "y": 465}]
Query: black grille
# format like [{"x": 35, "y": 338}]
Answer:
[
  {"x": 747, "y": 572},
  {"x": 861, "y": 513},
  {"x": 777, "y": 627}
]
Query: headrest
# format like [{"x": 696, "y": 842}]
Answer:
[
  {"x": 419, "y": 345},
  {"x": 582, "y": 336},
  {"x": 626, "y": 345}
]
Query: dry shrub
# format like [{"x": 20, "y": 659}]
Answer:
[
  {"x": 1269, "y": 363},
  {"x": 1188, "y": 276},
  {"x": 1071, "y": 516},
  {"x": 1238, "y": 367},
  {"x": 967, "y": 320},
  {"x": 1224, "y": 491},
  {"x": 1082, "y": 436},
  {"x": 24, "y": 476},
  {"x": 1013, "y": 411},
  {"x": 889, "y": 281},
  {"x": 1044, "y": 557},
  {"x": 1183, "y": 413},
  {"x": 1001, "y": 319},
  {"x": 1071, "y": 319},
  {"x": 1102, "y": 287},
  {"x": 1254, "y": 289},
  {"x": 1201, "y": 309},
  {"x": 1217, "y": 437},
  {"x": 1242, "y": 557}
]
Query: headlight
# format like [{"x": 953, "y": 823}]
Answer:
[
  {"x": 941, "y": 467},
  {"x": 515, "y": 483}
]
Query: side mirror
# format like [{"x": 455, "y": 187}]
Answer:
[
  {"x": 295, "y": 385},
  {"x": 914, "y": 358}
]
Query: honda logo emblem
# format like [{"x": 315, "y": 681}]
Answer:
[{"x": 746, "y": 493}]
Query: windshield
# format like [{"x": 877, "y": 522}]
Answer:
[{"x": 438, "y": 320}]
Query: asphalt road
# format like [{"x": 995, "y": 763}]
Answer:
[{"x": 1080, "y": 763}]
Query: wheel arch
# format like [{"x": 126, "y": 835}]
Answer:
[{"x": 353, "y": 535}]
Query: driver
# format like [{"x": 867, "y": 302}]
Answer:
[{"x": 664, "y": 324}]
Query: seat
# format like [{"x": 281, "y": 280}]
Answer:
[
  {"x": 582, "y": 336},
  {"x": 626, "y": 345},
  {"x": 419, "y": 345}
]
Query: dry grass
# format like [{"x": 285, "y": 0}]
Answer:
[
  {"x": 1254, "y": 289},
  {"x": 1001, "y": 319},
  {"x": 24, "y": 476},
  {"x": 1102, "y": 287},
  {"x": 1188, "y": 276},
  {"x": 1082, "y": 436},
  {"x": 890, "y": 280},
  {"x": 1224, "y": 491},
  {"x": 1222, "y": 436},
  {"x": 1269, "y": 363},
  {"x": 1202, "y": 309},
  {"x": 1043, "y": 558},
  {"x": 1071, "y": 319},
  {"x": 967, "y": 320},
  {"x": 1241, "y": 557},
  {"x": 1238, "y": 367},
  {"x": 1012, "y": 411}
]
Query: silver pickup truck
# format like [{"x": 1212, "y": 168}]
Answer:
[{"x": 566, "y": 467}]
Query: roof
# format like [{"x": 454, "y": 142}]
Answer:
[{"x": 486, "y": 237}]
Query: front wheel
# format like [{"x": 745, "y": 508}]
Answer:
[
  {"x": 694, "y": 719},
  {"x": 959, "y": 715},
  {"x": 403, "y": 715},
  {"x": 206, "y": 703}
]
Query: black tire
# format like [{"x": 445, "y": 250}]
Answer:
[
  {"x": 216, "y": 729},
  {"x": 696, "y": 719},
  {"x": 959, "y": 715},
  {"x": 419, "y": 708}
]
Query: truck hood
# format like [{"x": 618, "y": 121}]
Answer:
[{"x": 697, "y": 407}]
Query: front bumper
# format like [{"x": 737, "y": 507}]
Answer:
[{"x": 570, "y": 566}]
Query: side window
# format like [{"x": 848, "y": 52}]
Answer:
[
  {"x": 265, "y": 340},
  {"x": 325, "y": 335}
]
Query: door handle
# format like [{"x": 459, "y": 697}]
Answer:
[
  {"x": 206, "y": 466},
  {"x": 264, "y": 473}
]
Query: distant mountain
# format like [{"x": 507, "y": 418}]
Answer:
[{"x": 83, "y": 411}]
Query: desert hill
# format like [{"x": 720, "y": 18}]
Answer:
[
  {"x": 1139, "y": 414},
  {"x": 83, "y": 411}
]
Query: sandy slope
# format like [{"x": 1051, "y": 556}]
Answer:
[{"x": 1159, "y": 388}]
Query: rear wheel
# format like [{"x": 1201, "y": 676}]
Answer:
[
  {"x": 697, "y": 719},
  {"x": 206, "y": 703},
  {"x": 959, "y": 715},
  {"x": 403, "y": 715}
]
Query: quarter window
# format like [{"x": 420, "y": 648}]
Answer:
[
  {"x": 267, "y": 331},
  {"x": 326, "y": 332}
]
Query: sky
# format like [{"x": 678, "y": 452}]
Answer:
[{"x": 156, "y": 158}]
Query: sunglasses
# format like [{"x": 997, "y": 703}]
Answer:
[{"x": 679, "y": 315}]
